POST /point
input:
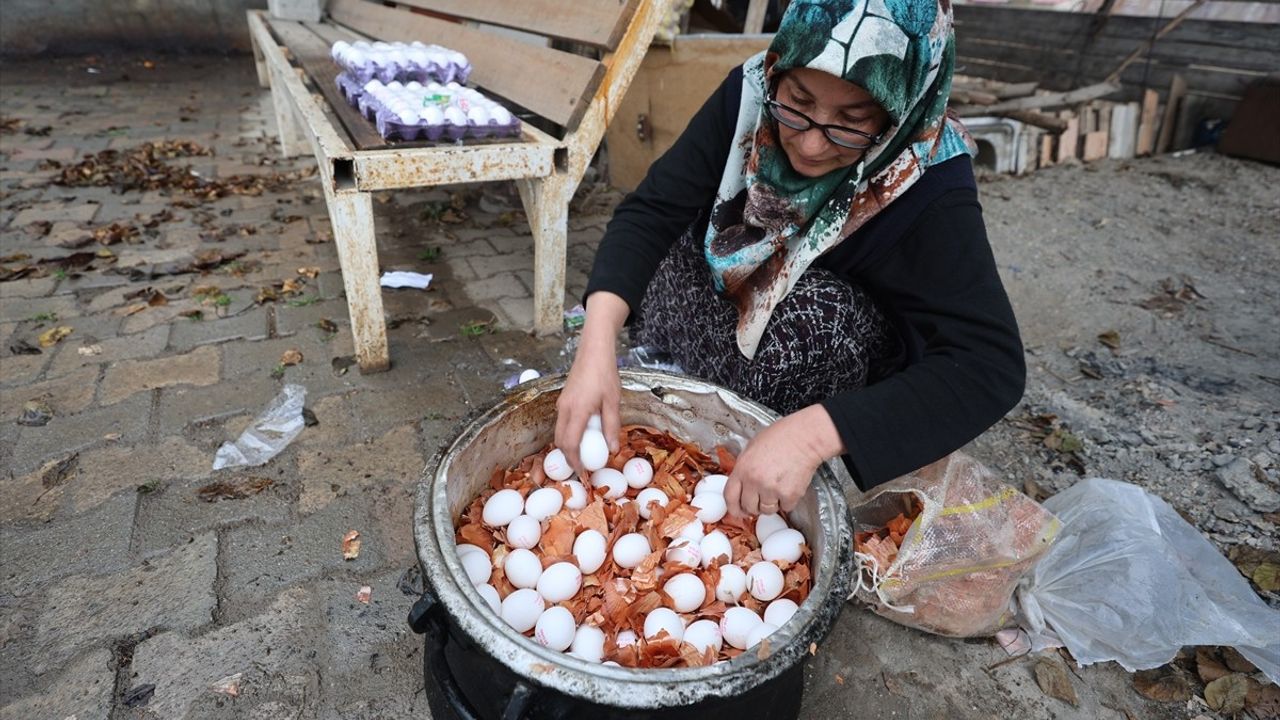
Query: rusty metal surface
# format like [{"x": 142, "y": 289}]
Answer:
[
  {"x": 451, "y": 164},
  {"x": 523, "y": 423}
]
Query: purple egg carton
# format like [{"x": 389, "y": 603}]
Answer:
[
  {"x": 388, "y": 62},
  {"x": 390, "y": 127}
]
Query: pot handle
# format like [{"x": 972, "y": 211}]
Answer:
[{"x": 425, "y": 618}]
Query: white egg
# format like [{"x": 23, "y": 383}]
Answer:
[
  {"x": 711, "y": 483},
  {"x": 454, "y": 116},
  {"x": 638, "y": 471},
  {"x": 711, "y": 506},
  {"x": 478, "y": 566},
  {"x": 465, "y": 548},
  {"x": 610, "y": 663},
  {"x": 556, "y": 466},
  {"x": 686, "y": 591},
  {"x": 663, "y": 619},
  {"x": 764, "y": 580},
  {"x": 432, "y": 115},
  {"x": 522, "y": 568},
  {"x": 737, "y": 624},
  {"x": 529, "y": 374},
  {"x": 732, "y": 585},
  {"x": 524, "y": 532},
  {"x": 589, "y": 550},
  {"x": 786, "y": 545},
  {"x": 577, "y": 495},
  {"x": 560, "y": 582},
  {"x": 768, "y": 524},
  {"x": 684, "y": 551},
  {"x": 502, "y": 507},
  {"x": 594, "y": 422},
  {"x": 453, "y": 85},
  {"x": 650, "y": 495},
  {"x": 543, "y": 503},
  {"x": 501, "y": 115},
  {"x": 692, "y": 531},
  {"x": 490, "y": 595},
  {"x": 630, "y": 549},
  {"x": 522, "y": 608},
  {"x": 760, "y": 632},
  {"x": 479, "y": 116},
  {"x": 704, "y": 634},
  {"x": 408, "y": 117},
  {"x": 625, "y": 638},
  {"x": 715, "y": 544},
  {"x": 593, "y": 451},
  {"x": 555, "y": 628},
  {"x": 609, "y": 480},
  {"x": 588, "y": 643},
  {"x": 395, "y": 85},
  {"x": 780, "y": 611}
]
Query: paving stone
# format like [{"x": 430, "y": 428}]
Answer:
[
  {"x": 252, "y": 325},
  {"x": 82, "y": 691},
  {"x": 125, "y": 378},
  {"x": 67, "y": 395},
  {"x": 500, "y": 285},
  {"x": 175, "y": 513},
  {"x": 267, "y": 648},
  {"x": 70, "y": 358},
  {"x": 51, "y": 211},
  {"x": 20, "y": 370},
  {"x": 96, "y": 541},
  {"x": 19, "y": 308},
  {"x": 27, "y": 287},
  {"x": 102, "y": 472},
  {"x": 330, "y": 472},
  {"x": 290, "y": 320},
  {"x": 67, "y": 434},
  {"x": 263, "y": 561},
  {"x": 174, "y": 591},
  {"x": 182, "y": 405},
  {"x": 169, "y": 314},
  {"x": 518, "y": 312},
  {"x": 30, "y": 497},
  {"x": 487, "y": 266}
]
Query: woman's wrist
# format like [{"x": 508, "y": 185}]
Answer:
[{"x": 821, "y": 436}]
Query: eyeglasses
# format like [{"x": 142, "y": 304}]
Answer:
[{"x": 839, "y": 135}]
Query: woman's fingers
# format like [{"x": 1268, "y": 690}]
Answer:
[
  {"x": 750, "y": 500},
  {"x": 732, "y": 494}
]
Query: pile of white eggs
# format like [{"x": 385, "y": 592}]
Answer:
[
  {"x": 400, "y": 61},
  {"x": 434, "y": 104},
  {"x": 533, "y": 604}
]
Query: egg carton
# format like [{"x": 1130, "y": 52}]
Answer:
[
  {"x": 365, "y": 61},
  {"x": 413, "y": 111}
]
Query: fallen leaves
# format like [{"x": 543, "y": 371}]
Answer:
[
  {"x": 1226, "y": 694},
  {"x": 1052, "y": 678},
  {"x": 309, "y": 272},
  {"x": 364, "y": 594},
  {"x": 54, "y": 335},
  {"x": 1173, "y": 298},
  {"x": 292, "y": 356},
  {"x": 35, "y": 413},
  {"x": 236, "y": 489},
  {"x": 1110, "y": 338},
  {"x": 351, "y": 545},
  {"x": 1259, "y": 565},
  {"x": 229, "y": 685},
  {"x": 1163, "y": 684}
]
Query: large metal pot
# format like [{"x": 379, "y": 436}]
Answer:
[{"x": 478, "y": 667}]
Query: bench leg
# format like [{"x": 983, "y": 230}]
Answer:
[
  {"x": 546, "y": 205},
  {"x": 260, "y": 63},
  {"x": 351, "y": 214},
  {"x": 292, "y": 141}
]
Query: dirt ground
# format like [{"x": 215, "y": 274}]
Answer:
[{"x": 1146, "y": 292}]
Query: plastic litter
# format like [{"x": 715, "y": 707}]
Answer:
[
  {"x": 404, "y": 279},
  {"x": 271, "y": 432},
  {"x": 1129, "y": 580},
  {"x": 650, "y": 357},
  {"x": 574, "y": 317}
]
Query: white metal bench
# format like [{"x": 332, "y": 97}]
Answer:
[{"x": 575, "y": 92}]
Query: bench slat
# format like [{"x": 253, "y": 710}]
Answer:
[
  {"x": 593, "y": 22},
  {"x": 312, "y": 53},
  {"x": 556, "y": 85}
]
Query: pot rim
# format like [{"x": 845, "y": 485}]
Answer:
[{"x": 621, "y": 686}]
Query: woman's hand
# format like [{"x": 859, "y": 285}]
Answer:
[
  {"x": 592, "y": 387},
  {"x": 778, "y": 464}
]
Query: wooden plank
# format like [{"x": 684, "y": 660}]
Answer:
[
  {"x": 1040, "y": 102},
  {"x": 1038, "y": 119},
  {"x": 312, "y": 54},
  {"x": 593, "y": 22},
  {"x": 1066, "y": 29},
  {"x": 754, "y": 24},
  {"x": 351, "y": 215},
  {"x": 1095, "y": 141},
  {"x": 1048, "y": 150},
  {"x": 1147, "y": 125},
  {"x": 400, "y": 168},
  {"x": 1168, "y": 27},
  {"x": 1177, "y": 89},
  {"x": 556, "y": 85},
  {"x": 1069, "y": 140}
]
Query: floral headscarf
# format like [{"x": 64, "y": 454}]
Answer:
[{"x": 769, "y": 222}]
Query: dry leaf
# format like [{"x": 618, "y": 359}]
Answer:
[
  {"x": 235, "y": 489},
  {"x": 327, "y": 325},
  {"x": 229, "y": 685},
  {"x": 1110, "y": 338},
  {"x": 89, "y": 350},
  {"x": 291, "y": 357},
  {"x": 310, "y": 272},
  {"x": 292, "y": 286},
  {"x": 1208, "y": 666},
  {"x": 351, "y": 545},
  {"x": 1226, "y": 694},
  {"x": 133, "y": 309},
  {"x": 1163, "y": 684},
  {"x": 53, "y": 336},
  {"x": 1235, "y": 661},
  {"x": 1263, "y": 701},
  {"x": 364, "y": 594},
  {"x": 1053, "y": 681}
]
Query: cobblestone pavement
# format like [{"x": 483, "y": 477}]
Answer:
[{"x": 123, "y": 593}]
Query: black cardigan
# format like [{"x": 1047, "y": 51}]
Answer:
[{"x": 924, "y": 259}]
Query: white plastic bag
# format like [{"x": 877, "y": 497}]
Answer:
[
  {"x": 271, "y": 432},
  {"x": 1129, "y": 580}
]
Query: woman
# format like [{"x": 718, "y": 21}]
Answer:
[{"x": 814, "y": 241}]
